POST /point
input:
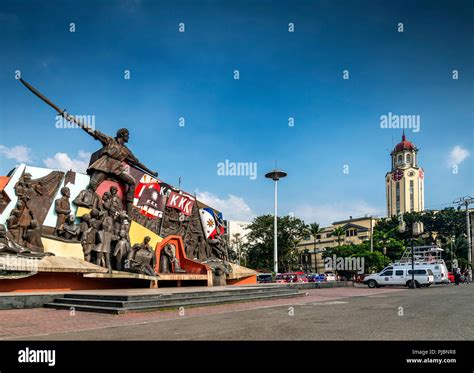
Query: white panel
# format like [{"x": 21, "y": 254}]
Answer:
[{"x": 82, "y": 181}]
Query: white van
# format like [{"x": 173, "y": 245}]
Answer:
[
  {"x": 401, "y": 276},
  {"x": 426, "y": 257},
  {"x": 438, "y": 267}
]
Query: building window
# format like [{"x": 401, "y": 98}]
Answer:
[
  {"x": 412, "y": 192},
  {"x": 400, "y": 158},
  {"x": 318, "y": 236},
  {"x": 408, "y": 158},
  {"x": 351, "y": 232},
  {"x": 397, "y": 196}
]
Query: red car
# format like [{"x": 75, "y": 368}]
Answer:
[
  {"x": 451, "y": 276},
  {"x": 291, "y": 277}
]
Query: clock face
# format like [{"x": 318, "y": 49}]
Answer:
[
  {"x": 422, "y": 174},
  {"x": 397, "y": 175}
]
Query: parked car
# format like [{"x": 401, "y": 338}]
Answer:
[
  {"x": 263, "y": 278},
  {"x": 285, "y": 277},
  {"x": 451, "y": 276},
  {"x": 301, "y": 277},
  {"x": 329, "y": 276},
  {"x": 291, "y": 277},
  {"x": 400, "y": 276},
  {"x": 314, "y": 277}
]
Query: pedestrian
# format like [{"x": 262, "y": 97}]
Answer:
[
  {"x": 457, "y": 275},
  {"x": 465, "y": 276}
]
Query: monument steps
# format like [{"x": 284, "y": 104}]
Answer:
[{"x": 110, "y": 304}]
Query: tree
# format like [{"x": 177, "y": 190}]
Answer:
[
  {"x": 389, "y": 240},
  {"x": 290, "y": 231},
  {"x": 439, "y": 227},
  {"x": 460, "y": 251},
  {"x": 314, "y": 230},
  {"x": 373, "y": 261},
  {"x": 339, "y": 232}
]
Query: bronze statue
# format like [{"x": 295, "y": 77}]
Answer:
[
  {"x": 122, "y": 250},
  {"x": 4, "y": 201},
  {"x": 88, "y": 236},
  {"x": 83, "y": 225},
  {"x": 24, "y": 221},
  {"x": 110, "y": 162},
  {"x": 35, "y": 198},
  {"x": 115, "y": 200},
  {"x": 62, "y": 208},
  {"x": 219, "y": 247},
  {"x": 13, "y": 224},
  {"x": 112, "y": 155},
  {"x": 105, "y": 204},
  {"x": 33, "y": 237},
  {"x": 168, "y": 261},
  {"x": 69, "y": 229},
  {"x": 87, "y": 198},
  {"x": 122, "y": 222},
  {"x": 9, "y": 247},
  {"x": 141, "y": 258},
  {"x": 102, "y": 244}
]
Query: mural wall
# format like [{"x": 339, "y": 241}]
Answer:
[{"x": 65, "y": 208}]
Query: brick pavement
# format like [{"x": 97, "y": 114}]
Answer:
[{"x": 43, "y": 321}]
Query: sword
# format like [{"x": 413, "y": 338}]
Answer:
[{"x": 63, "y": 113}]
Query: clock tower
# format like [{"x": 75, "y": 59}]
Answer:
[{"x": 405, "y": 182}]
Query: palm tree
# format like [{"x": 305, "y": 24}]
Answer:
[
  {"x": 314, "y": 230},
  {"x": 339, "y": 232}
]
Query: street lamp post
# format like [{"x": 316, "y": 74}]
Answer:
[{"x": 275, "y": 175}]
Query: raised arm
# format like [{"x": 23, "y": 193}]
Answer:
[{"x": 135, "y": 162}]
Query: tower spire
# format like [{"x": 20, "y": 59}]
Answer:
[{"x": 403, "y": 135}]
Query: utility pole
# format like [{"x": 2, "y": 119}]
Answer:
[
  {"x": 372, "y": 235},
  {"x": 466, "y": 201}
]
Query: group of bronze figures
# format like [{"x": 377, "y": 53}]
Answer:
[{"x": 104, "y": 231}]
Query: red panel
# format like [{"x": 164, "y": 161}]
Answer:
[
  {"x": 3, "y": 182},
  {"x": 105, "y": 187},
  {"x": 54, "y": 281},
  {"x": 190, "y": 266},
  {"x": 252, "y": 279}
]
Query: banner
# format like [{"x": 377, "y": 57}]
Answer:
[
  {"x": 150, "y": 196},
  {"x": 182, "y": 202},
  {"x": 208, "y": 222}
]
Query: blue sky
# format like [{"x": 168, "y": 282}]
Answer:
[{"x": 282, "y": 75}]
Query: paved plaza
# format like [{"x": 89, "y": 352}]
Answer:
[{"x": 435, "y": 313}]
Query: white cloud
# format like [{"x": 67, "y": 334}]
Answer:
[
  {"x": 62, "y": 161},
  {"x": 19, "y": 153},
  {"x": 457, "y": 155},
  {"x": 233, "y": 207},
  {"x": 326, "y": 214}
]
